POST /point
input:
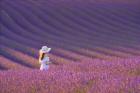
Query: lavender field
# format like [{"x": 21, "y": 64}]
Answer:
[{"x": 95, "y": 46}]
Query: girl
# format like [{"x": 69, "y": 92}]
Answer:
[{"x": 43, "y": 58}]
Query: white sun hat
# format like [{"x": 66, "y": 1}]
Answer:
[{"x": 45, "y": 49}]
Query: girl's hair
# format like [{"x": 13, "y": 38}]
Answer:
[{"x": 42, "y": 56}]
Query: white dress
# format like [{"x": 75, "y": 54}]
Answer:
[{"x": 43, "y": 62}]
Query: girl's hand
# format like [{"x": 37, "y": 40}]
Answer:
[{"x": 49, "y": 62}]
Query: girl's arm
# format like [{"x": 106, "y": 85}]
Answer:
[{"x": 40, "y": 56}]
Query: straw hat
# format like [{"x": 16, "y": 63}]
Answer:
[{"x": 45, "y": 49}]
